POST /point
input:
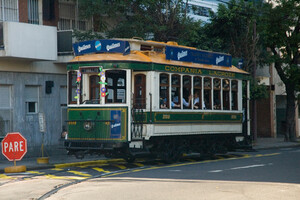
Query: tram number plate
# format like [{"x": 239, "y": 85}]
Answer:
[{"x": 166, "y": 116}]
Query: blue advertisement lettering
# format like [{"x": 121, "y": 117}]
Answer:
[
  {"x": 101, "y": 46},
  {"x": 115, "y": 126},
  {"x": 198, "y": 56}
]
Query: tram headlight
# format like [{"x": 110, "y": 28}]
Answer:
[{"x": 88, "y": 125}]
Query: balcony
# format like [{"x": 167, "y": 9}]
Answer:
[{"x": 28, "y": 41}]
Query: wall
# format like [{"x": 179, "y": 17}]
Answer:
[
  {"x": 50, "y": 104},
  {"x": 29, "y": 41}
]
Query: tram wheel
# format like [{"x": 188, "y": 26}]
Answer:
[
  {"x": 79, "y": 154},
  {"x": 171, "y": 153},
  {"x": 129, "y": 158}
]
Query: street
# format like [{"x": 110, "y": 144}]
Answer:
[{"x": 267, "y": 174}]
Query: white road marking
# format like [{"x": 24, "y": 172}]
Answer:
[
  {"x": 215, "y": 171},
  {"x": 242, "y": 167},
  {"x": 249, "y": 166}
]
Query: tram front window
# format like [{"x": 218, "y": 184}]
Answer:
[
  {"x": 92, "y": 88},
  {"x": 116, "y": 87}
]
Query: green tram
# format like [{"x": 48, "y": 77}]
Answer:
[{"x": 129, "y": 97}]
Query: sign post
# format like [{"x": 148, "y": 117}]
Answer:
[
  {"x": 14, "y": 147},
  {"x": 42, "y": 124}
]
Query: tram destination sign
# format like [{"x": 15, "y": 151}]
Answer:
[
  {"x": 101, "y": 46},
  {"x": 197, "y": 56}
]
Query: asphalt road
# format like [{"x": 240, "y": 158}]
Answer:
[
  {"x": 272, "y": 174},
  {"x": 282, "y": 166}
]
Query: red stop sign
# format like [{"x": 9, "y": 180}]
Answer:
[{"x": 14, "y": 146}]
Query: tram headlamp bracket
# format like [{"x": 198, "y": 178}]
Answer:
[{"x": 88, "y": 125}]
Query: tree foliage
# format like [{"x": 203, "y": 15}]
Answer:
[
  {"x": 281, "y": 34},
  {"x": 162, "y": 20}
]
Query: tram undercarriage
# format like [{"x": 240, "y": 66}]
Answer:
[{"x": 169, "y": 149}]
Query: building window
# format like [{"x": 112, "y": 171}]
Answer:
[
  {"x": 6, "y": 109},
  {"x": 33, "y": 11},
  {"x": 164, "y": 90},
  {"x": 68, "y": 17},
  {"x": 9, "y": 10},
  {"x": 5, "y": 96},
  {"x": 31, "y": 99}
]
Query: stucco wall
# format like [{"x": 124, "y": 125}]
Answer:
[{"x": 49, "y": 104}]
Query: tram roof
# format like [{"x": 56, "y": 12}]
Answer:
[{"x": 157, "y": 55}]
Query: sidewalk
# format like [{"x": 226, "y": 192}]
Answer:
[
  {"x": 273, "y": 143},
  {"x": 64, "y": 160}
]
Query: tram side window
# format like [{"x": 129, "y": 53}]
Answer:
[
  {"x": 234, "y": 95},
  {"x": 207, "y": 93},
  {"x": 197, "y": 92},
  {"x": 175, "y": 91},
  {"x": 72, "y": 87},
  {"x": 140, "y": 91},
  {"x": 164, "y": 90},
  {"x": 187, "y": 95},
  {"x": 226, "y": 89},
  {"x": 116, "y": 86},
  {"x": 217, "y": 94}
]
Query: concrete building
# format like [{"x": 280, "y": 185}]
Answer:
[
  {"x": 199, "y": 9},
  {"x": 35, "y": 44}
]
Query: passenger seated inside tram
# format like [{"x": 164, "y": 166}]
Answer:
[
  {"x": 163, "y": 103},
  {"x": 217, "y": 105},
  {"x": 186, "y": 104},
  {"x": 196, "y": 101},
  {"x": 175, "y": 103}
]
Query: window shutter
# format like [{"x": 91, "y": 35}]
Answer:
[
  {"x": 31, "y": 93},
  {"x": 5, "y": 96}
]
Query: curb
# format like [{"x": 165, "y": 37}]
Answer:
[
  {"x": 73, "y": 164},
  {"x": 296, "y": 144},
  {"x": 92, "y": 162}
]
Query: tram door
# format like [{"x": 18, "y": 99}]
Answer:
[
  {"x": 139, "y": 91},
  {"x": 139, "y": 103}
]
